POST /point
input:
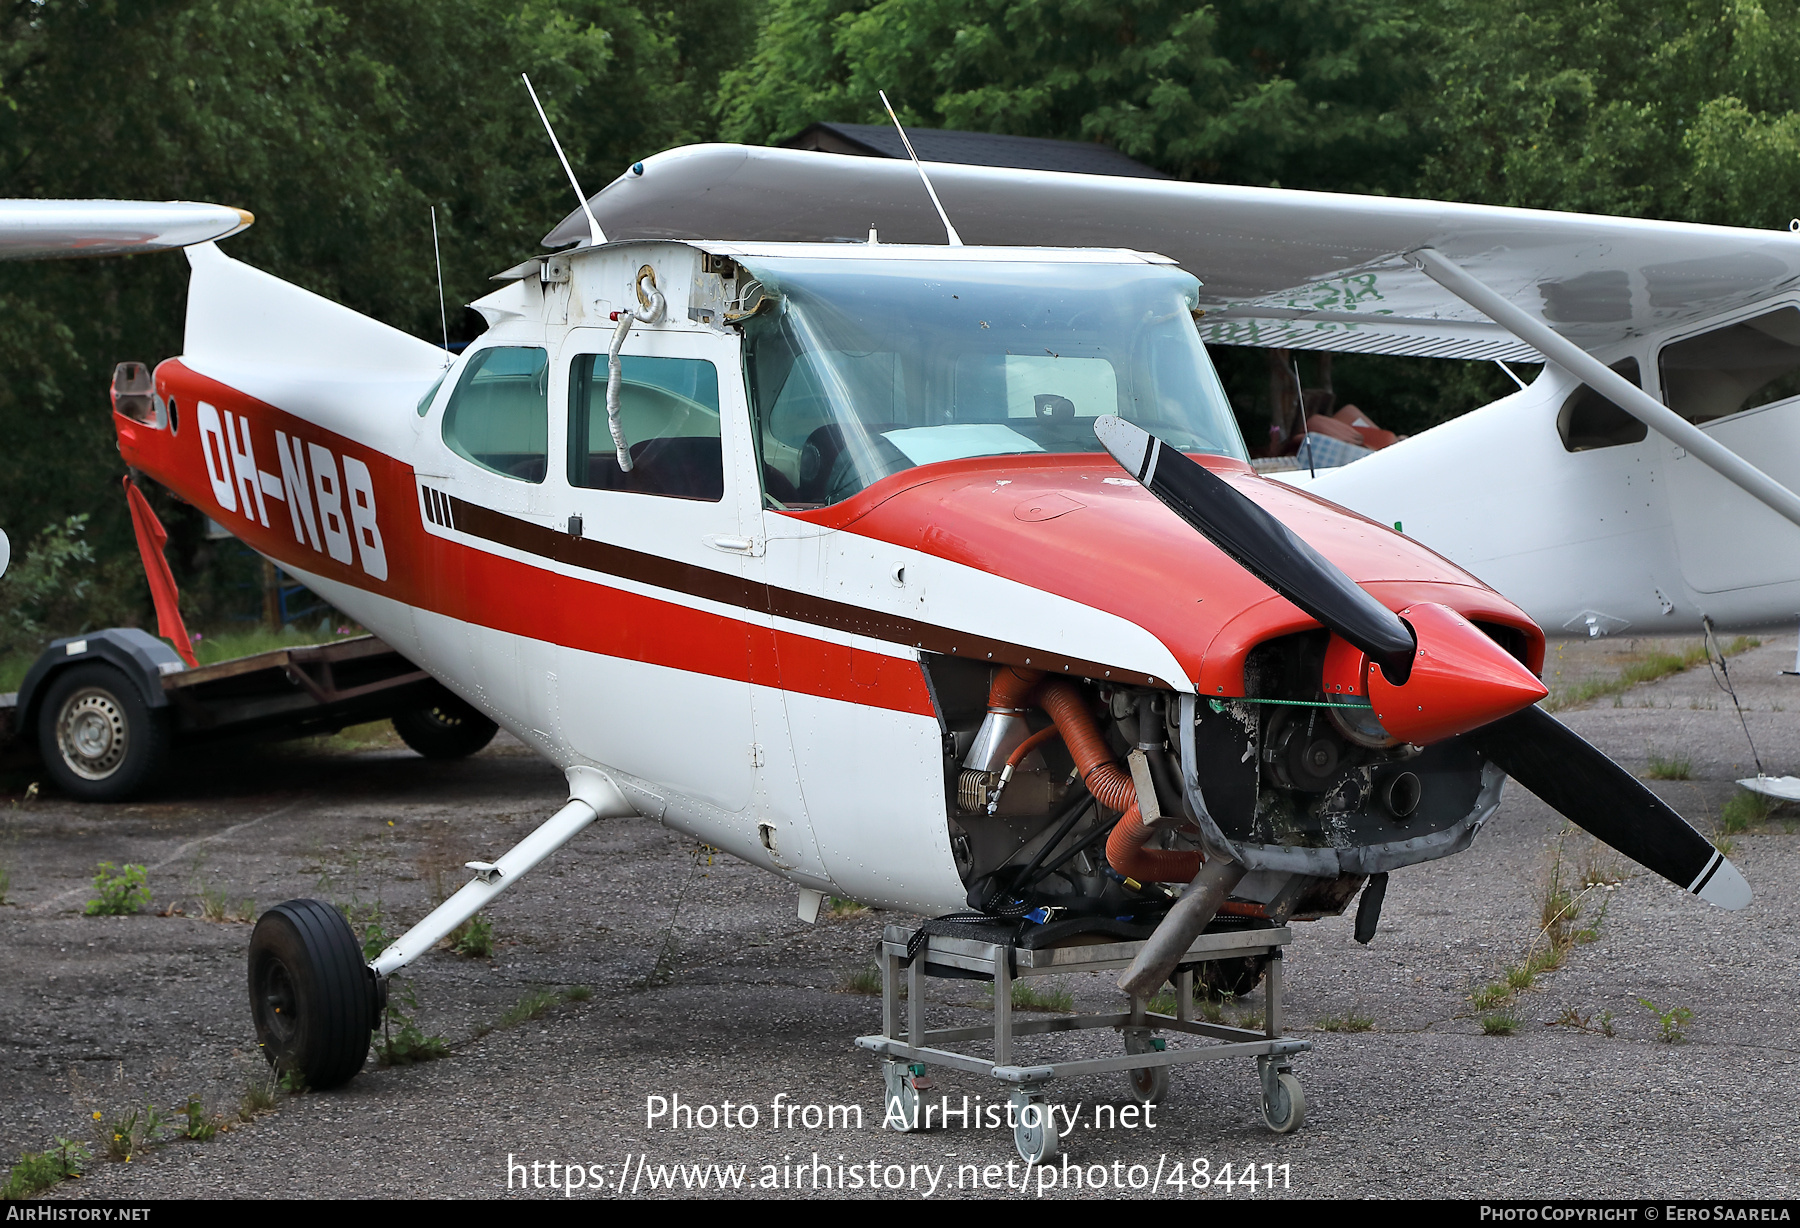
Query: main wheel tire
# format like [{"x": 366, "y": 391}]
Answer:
[
  {"x": 99, "y": 740},
  {"x": 312, "y": 997},
  {"x": 447, "y": 729}
]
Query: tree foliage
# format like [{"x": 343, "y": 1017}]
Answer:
[
  {"x": 1301, "y": 93},
  {"x": 340, "y": 126}
]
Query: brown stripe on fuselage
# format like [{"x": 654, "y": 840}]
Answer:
[{"x": 702, "y": 582}]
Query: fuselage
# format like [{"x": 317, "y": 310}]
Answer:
[{"x": 758, "y": 668}]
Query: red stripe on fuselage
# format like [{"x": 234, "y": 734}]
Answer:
[{"x": 473, "y": 585}]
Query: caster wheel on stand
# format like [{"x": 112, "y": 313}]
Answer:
[
  {"x": 903, "y": 1081},
  {"x": 313, "y": 999},
  {"x": 1283, "y": 1103},
  {"x": 1034, "y": 1130},
  {"x": 1149, "y": 1084}
]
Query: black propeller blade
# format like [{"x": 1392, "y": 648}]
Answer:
[
  {"x": 1596, "y": 794},
  {"x": 1261, "y": 544},
  {"x": 1530, "y": 745}
]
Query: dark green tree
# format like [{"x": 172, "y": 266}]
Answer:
[{"x": 339, "y": 126}]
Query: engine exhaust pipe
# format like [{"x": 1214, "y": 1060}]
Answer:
[{"x": 1192, "y": 913}]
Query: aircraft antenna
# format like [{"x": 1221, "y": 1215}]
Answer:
[
  {"x": 443, "y": 317},
  {"x": 594, "y": 232},
  {"x": 1312, "y": 462},
  {"x": 955, "y": 239}
]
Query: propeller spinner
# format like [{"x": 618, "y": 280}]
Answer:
[{"x": 1431, "y": 675}]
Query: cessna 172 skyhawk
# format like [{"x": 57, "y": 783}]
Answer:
[{"x": 813, "y": 550}]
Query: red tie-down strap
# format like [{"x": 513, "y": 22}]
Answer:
[{"x": 151, "y": 537}]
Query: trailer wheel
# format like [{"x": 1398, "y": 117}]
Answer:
[
  {"x": 99, "y": 740},
  {"x": 312, "y": 997},
  {"x": 447, "y": 729}
]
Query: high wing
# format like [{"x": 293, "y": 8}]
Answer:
[
  {"x": 52, "y": 229},
  {"x": 1305, "y": 270}
]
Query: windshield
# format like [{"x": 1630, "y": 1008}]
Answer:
[{"x": 862, "y": 368}]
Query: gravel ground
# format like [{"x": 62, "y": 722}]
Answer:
[{"x": 704, "y": 986}]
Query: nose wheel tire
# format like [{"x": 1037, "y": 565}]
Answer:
[
  {"x": 99, "y": 740},
  {"x": 313, "y": 999},
  {"x": 1034, "y": 1130},
  {"x": 447, "y": 729}
]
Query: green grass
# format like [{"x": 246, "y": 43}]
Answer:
[
  {"x": 1652, "y": 667},
  {"x": 1675, "y": 767},
  {"x": 839, "y": 909},
  {"x": 473, "y": 938},
  {"x": 1029, "y": 997},
  {"x": 1491, "y": 997},
  {"x": 1745, "y": 810},
  {"x": 211, "y": 648},
  {"x": 865, "y": 980},
  {"x": 1350, "y": 1022},
  {"x": 1499, "y": 1023}
]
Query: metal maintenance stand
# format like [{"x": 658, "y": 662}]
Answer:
[{"x": 1146, "y": 1059}]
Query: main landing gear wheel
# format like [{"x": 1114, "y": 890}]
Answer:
[
  {"x": 1149, "y": 1084},
  {"x": 447, "y": 729},
  {"x": 313, "y": 999},
  {"x": 1283, "y": 1103},
  {"x": 1034, "y": 1129},
  {"x": 99, "y": 740}
]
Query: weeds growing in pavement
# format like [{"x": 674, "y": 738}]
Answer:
[
  {"x": 120, "y": 892},
  {"x": 839, "y": 909},
  {"x": 1490, "y": 997},
  {"x": 1029, "y": 997},
  {"x": 197, "y": 1123},
  {"x": 1572, "y": 1018},
  {"x": 258, "y": 1097},
  {"x": 474, "y": 938},
  {"x": 1499, "y": 1023},
  {"x": 37, "y": 1171},
  {"x": 125, "y": 1134},
  {"x": 1348, "y": 1022},
  {"x": 1674, "y": 767},
  {"x": 1649, "y": 668},
  {"x": 401, "y": 1041},
  {"x": 1744, "y": 811},
  {"x": 1671, "y": 1023}
]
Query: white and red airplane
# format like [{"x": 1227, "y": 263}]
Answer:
[{"x": 813, "y": 549}]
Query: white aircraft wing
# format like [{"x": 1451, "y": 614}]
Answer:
[
  {"x": 1305, "y": 270},
  {"x": 49, "y": 229}
]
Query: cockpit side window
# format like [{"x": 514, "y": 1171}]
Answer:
[
  {"x": 1742, "y": 366},
  {"x": 669, "y": 410},
  {"x": 1588, "y": 420},
  {"x": 499, "y": 415}
]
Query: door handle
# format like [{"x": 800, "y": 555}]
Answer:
[{"x": 732, "y": 544}]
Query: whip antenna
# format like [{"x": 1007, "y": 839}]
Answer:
[
  {"x": 443, "y": 317},
  {"x": 595, "y": 233},
  {"x": 955, "y": 239}
]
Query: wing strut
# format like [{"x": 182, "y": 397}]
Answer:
[{"x": 1608, "y": 383}]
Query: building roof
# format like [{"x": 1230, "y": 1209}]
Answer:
[{"x": 973, "y": 149}]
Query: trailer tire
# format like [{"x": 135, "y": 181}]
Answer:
[
  {"x": 447, "y": 729},
  {"x": 99, "y": 740},
  {"x": 312, "y": 998}
]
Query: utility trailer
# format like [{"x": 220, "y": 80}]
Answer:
[{"x": 103, "y": 711}]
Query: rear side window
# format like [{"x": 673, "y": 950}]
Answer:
[
  {"x": 499, "y": 414},
  {"x": 669, "y": 408},
  {"x": 1731, "y": 369},
  {"x": 1588, "y": 420}
]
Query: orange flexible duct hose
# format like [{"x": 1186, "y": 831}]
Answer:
[
  {"x": 1110, "y": 784},
  {"x": 1030, "y": 744}
]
